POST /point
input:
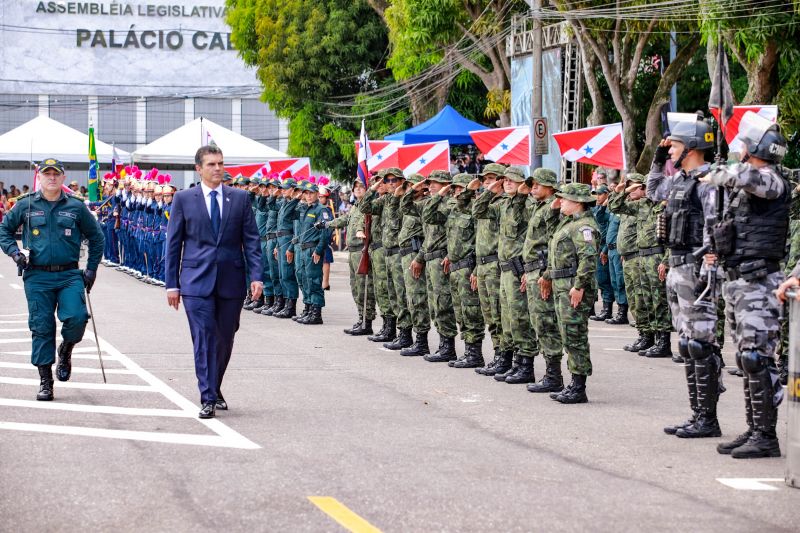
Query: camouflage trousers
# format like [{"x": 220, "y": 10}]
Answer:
[
  {"x": 632, "y": 272},
  {"x": 467, "y": 305},
  {"x": 654, "y": 297},
  {"x": 691, "y": 321},
  {"x": 274, "y": 267},
  {"x": 489, "y": 293},
  {"x": 358, "y": 284},
  {"x": 543, "y": 319},
  {"x": 517, "y": 328},
  {"x": 380, "y": 277},
  {"x": 573, "y": 326},
  {"x": 416, "y": 297},
  {"x": 754, "y": 313},
  {"x": 440, "y": 299},
  {"x": 394, "y": 264},
  {"x": 617, "y": 277}
]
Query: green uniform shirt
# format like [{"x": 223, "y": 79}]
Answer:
[
  {"x": 456, "y": 215},
  {"x": 353, "y": 220},
  {"x": 541, "y": 225},
  {"x": 54, "y": 230},
  {"x": 575, "y": 243},
  {"x": 411, "y": 226},
  {"x": 510, "y": 211},
  {"x": 487, "y": 226},
  {"x": 435, "y": 232},
  {"x": 387, "y": 207},
  {"x": 628, "y": 215}
]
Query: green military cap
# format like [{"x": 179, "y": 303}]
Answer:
[
  {"x": 545, "y": 176},
  {"x": 440, "y": 176},
  {"x": 416, "y": 178},
  {"x": 245, "y": 180},
  {"x": 462, "y": 180},
  {"x": 514, "y": 174},
  {"x": 577, "y": 192},
  {"x": 288, "y": 183},
  {"x": 635, "y": 177},
  {"x": 602, "y": 189},
  {"x": 494, "y": 168},
  {"x": 227, "y": 176},
  {"x": 394, "y": 171},
  {"x": 55, "y": 164}
]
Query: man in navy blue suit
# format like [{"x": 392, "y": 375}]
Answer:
[{"x": 211, "y": 234}]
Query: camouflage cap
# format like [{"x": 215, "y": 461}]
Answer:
[
  {"x": 602, "y": 189},
  {"x": 440, "y": 176},
  {"x": 577, "y": 192},
  {"x": 635, "y": 177},
  {"x": 416, "y": 178},
  {"x": 515, "y": 174},
  {"x": 462, "y": 180},
  {"x": 494, "y": 168},
  {"x": 545, "y": 176},
  {"x": 394, "y": 171}
]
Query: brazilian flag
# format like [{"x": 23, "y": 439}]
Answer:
[{"x": 93, "y": 189}]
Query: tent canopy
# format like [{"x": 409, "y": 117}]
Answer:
[
  {"x": 446, "y": 125},
  {"x": 43, "y": 137},
  {"x": 180, "y": 145}
]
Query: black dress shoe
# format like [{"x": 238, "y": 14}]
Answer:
[
  {"x": 221, "y": 404},
  {"x": 207, "y": 411}
]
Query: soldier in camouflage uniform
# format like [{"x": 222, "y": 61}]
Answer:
[
  {"x": 487, "y": 270},
  {"x": 512, "y": 210},
  {"x": 541, "y": 226},
  {"x": 454, "y": 213},
  {"x": 750, "y": 243},
  {"x": 689, "y": 205},
  {"x": 388, "y": 206},
  {"x": 412, "y": 246},
  {"x": 629, "y": 253},
  {"x": 570, "y": 275},
  {"x": 354, "y": 221},
  {"x": 384, "y": 291},
  {"x": 792, "y": 257}
]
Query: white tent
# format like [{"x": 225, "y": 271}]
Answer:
[
  {"x": 43, "y": 137},
  {"x": 179, "y": 146}
]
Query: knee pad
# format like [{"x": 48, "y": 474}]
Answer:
[
  {"x": 753, "y": 362},
  {"x": 699, "y": 349},
  {"x": 739, "y": 360},
  {"x": 683, "y": 347}
]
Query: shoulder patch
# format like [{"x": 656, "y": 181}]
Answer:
[{"x": 588, "y": 234}]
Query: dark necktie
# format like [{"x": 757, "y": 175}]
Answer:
[{"x": 214, "y": 214}]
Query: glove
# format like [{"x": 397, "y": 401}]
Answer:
[
  {"x": 88, "y": 279},
  {"x": 321, "y": 225},
  {"x": 20, "y": 260},
  {"x": 662, "y": 153}
]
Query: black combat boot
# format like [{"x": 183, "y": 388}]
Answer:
[
  {"x": 503, "y": 365},
  {"x": 621, "y": 317},
  {"x": 388, "y": 333},
  {"x": 661, "y": 348},
  {"x": 502, "y": 375},
  {"x": 706, "y": 372},
  {"x": 247, "y": 300},
  {"x": 691, "y": 384},
  {"x": 64, "y": 367},
  {"x": 492, "y": 363},
  {"x": 275, "y": 307},
  {"x": 446, "y": 351},
  {"x": 314, "y": 316},
  {"x": 524, "y": 372},
  {"x": 605, "y": 314},
  {"x": 574, "y": 393},
  {"x": 419, "y": 348},
  {"x": 289, "y": 309},
  {"x": 552, "y": 381},
  {"x": 783, "y": 366},
  {"x": 357, "y": 325},
  {"x": 252, "y": 304},
  {"x": 365, "y": 328},
  {"x": 644, "y": 342},
  {"x": 267, "y": 301},
  {"x": 473, "y": 356},
  {"x": 306, "y": 311},
  {"x": 403, "y": 340},
  {"x": 764, "y": 440},
  {"x": 45, "y": 383},
  {"x": 725, "y": 448}
]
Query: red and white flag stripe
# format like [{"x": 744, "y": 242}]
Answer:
[
  {"x": 511, "y": 146},
  {"x": 383, "y": 154},
  {"x": 769, "y": 112},
  {"x": 599, "y": 145},
  {"x": 424, "y": 158}
]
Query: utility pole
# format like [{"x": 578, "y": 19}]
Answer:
[{"x": 536, "y": 93}]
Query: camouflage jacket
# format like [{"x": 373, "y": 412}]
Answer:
[
  {"x": 627, "y": 234},
  {"x": 487, "y": 227},
  {"x": 575, "y": 244},
  {"x": 410, "y": 211},
  {"x": 353, "y": 220},
  {"x": 387, "y": 207},
  {"x": 435, "y": 231},
  {"x": 455, "y": 215},
  {"x": 510, "y": 211},
  {"x": 541, "y": 225}
]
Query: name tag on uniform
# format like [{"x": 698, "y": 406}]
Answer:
[
  {"x": 312, "y": 215},
  {"x": 34, "y": 214},
  {"x": 67, "y": 214}
]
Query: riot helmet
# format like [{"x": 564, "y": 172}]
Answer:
[{"x": 762, "y": 138}]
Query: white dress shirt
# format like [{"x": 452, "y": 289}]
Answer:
[{"x": 207, "y": 197}]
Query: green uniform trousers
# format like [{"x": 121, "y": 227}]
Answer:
[
  {"x": 440, "y": 299},
  {"x": 467, "y": 306},
  {"x": 543, "y": 319},
  {"x": 312, "y": 279},
  {"x": 573, "y": 325},
  {"x": 632, "y": 272},
  {"x": 655, "y": 294},
  {"x": 397, "y": 282},
  {"x": 489, "y": 293},
  {"x": 416, "y": 297},
  {"x": 358, "y": 284},
  {"x": 516, "y": 320},
  {"x": 48, "y": 292},
  {"x": 384, "y": 291}
]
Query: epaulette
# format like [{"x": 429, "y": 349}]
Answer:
[
  {"x": 76, "y": 196},
  {"x": 20, "y": 197}
]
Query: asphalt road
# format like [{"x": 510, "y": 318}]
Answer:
[{"x": 404, "y": 445}]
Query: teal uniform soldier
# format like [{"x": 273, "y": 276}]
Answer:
[
  {"x": 54, "y": 224},
  {"x": 273, "y": 205},
  {"x": 284, "y": 230},
  {"x": 602, "y": 217},
  {"x": 261, "y": 214},
  {"x": 299, "y": 258},
  {"x": 312, "y": 242}
]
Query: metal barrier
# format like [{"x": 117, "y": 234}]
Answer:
[{"x": 793, "y": 397}]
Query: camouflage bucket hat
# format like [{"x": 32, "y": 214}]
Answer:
[
  {"x": 440, "y": 176},
  {"x": 577, "y": 192},
  {"x": 544, "y": 176},
  {"x": 415, "y": 178},
  {"x": 494, "y": 168},
  {"x": 515, "y": 174},
  {"x": 394, "y": 171},
  {"x": 462, "y": 180},
  {"x": 602, "y": 189},
  {"x": 635, "y": 177}
]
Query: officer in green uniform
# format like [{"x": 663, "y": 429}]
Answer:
[
  {"x": 53, "y": 226},
  {"x": 629, "y": 253},
  {"x": 384, "y": 291},
  {"x": 571, "y": 264}
]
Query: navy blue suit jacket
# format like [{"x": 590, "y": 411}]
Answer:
[{"x": 200, "y": 266}]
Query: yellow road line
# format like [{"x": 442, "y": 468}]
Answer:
[{"x": 344, "y": 516}]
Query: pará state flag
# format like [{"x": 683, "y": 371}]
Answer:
[
  {"x": 598, "y": 145},
  {"x": 299, "y": 167},
  {"x": 383, "y": 154},
  {"x": 424, "y": 158},
  {"x": 769, "y": 112},
  {"x": 511, "y": 146}
]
